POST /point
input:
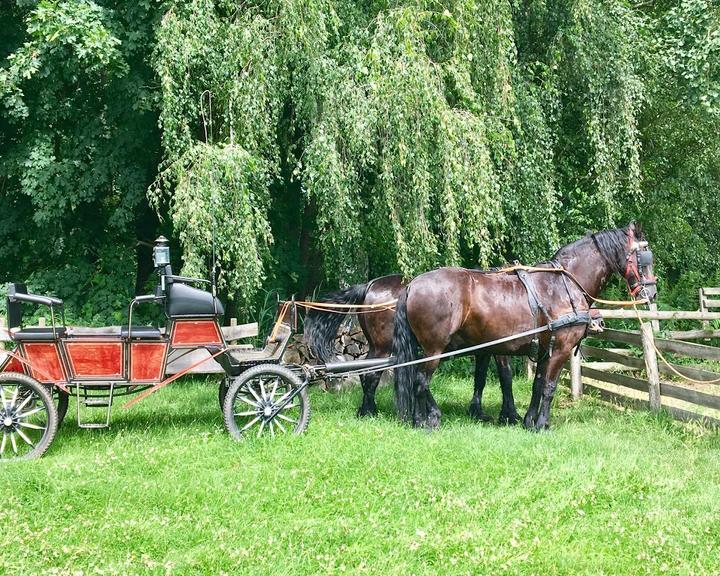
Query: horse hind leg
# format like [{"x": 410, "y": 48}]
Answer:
[
  {"x": 427, "y": 413},
  {"x": 508, "y": 412},
  {"x": 369, "y": 385},
  {"x": 481, "y": 367}
]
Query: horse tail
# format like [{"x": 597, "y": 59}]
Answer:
[
  {"x": 404, "y": 349},
  {"x": 321, "y": 326}
]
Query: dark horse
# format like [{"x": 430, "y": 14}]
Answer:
[
  {"x": 455, "y": 308},
  {"x": 321, "y": 328}
]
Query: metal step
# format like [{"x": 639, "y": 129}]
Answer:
[
  {"x": 97, "y": 402},
  {"x": 88, "y": 400}
]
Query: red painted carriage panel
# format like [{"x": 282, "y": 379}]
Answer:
[
  {"x": 95, "y": 359},
  {"x": 14, "y": 365},
  {"x": 45, "y": 364},
  {"x": 195, "y": 333},
  {"x": 146, "y": 361}
]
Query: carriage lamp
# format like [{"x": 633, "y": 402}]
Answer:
[{"x": 161, "y": 252}]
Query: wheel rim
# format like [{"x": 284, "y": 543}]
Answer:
[
  {"x": 260, "y": 407},
  {"x": 24, "y": 420}
]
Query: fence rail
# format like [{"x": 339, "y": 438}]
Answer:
[{"x": 623, "y": 368}]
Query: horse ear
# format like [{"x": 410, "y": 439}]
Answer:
[{"x": 639, "y": 232}]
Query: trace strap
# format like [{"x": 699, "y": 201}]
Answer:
[{"x": 453, "y": 353}]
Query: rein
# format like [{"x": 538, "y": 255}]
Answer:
[
  {"x": 570, "y": 275},
  {"x": 670, "y": 366},
  {"x": 344, "y": 308}
]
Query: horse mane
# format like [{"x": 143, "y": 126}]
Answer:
[{"x": 612, "y": 244}]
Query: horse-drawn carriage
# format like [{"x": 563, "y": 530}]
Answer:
[
  {"x": 99, "y": 365},
  {"x": 262, "y": 395}
]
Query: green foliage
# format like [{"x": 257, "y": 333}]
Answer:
[
  {"x": 335, "y": 140},
  {"x": 219, "y": 195},
  {"x": 78, "y": 148}
]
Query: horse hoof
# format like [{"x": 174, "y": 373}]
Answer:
[
  {"x": 509, "y": 419},
  {"x": 364, "y": 412},
  {"x": 433, "y": 422},
  {"x": 541, "y": 425},
  {"x": 477, "y": 414}
]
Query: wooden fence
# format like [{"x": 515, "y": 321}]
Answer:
[{"x": 615, "y": 373}]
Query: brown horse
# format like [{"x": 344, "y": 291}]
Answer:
[
  {"x": 321, "y": 328},
  {"x": 455, "y": 308}
]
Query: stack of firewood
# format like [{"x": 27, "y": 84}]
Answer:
[{"x": 350, "y": 344}]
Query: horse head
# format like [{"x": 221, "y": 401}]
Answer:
[{"x": 638, "y": 273}]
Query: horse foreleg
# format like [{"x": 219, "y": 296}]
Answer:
[
  {"x": 550, "y": 385},
  {"x": 537, "y": 392},
  {"x": 369, "y": 385},
  {"x": 481, "y": 367},
  {"x": 508, "y": 412}
]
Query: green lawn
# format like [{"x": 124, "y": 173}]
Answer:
[{"x": 165, "y": 490}]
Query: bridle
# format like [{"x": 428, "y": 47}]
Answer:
[{"x": 638, "y": 261}]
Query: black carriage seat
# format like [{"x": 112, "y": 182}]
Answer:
[
  {"x": 17, "y": 294},
  {"x": 141, "y": 333},
  {"x": 38, "y": 334},
  {"x": 184, "y": 300}
]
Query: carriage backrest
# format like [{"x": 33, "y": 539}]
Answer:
[
  {"x": 184, "y": 301},
  {"x": 14, "y": 307}
]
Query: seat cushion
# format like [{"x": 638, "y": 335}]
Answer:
[
  {"x": 35, "y": 334},
  {"x": 141, "y": 333}
]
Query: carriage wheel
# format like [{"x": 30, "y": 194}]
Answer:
[
  {"x": 258, "y": 403},
  {"x": 62, "y": 399},
  {"x": 222, "y": 391},
  {"x": 28, "y": 417}
]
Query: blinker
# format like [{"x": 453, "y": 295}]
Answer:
[{"x": 644, "y": 258}]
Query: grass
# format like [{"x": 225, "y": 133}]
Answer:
[{"x": 165, "y": 491}]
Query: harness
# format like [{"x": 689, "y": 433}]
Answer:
[{"x": 574, "y": 318}]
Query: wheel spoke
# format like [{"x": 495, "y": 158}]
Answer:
[
  {"x": 15, "y": 395},
  {"x": 248, "y": 413},
  {"x": 280, "y": 426},
  {"x": 2, "y": 396},
  {"x": 249, "y": 424},
  {"x": 262, "y": 389},
  {"x": 31, "y": 412},
  {"x": 4, "y": 442},
  {"x": 32, "y": 426},
  {"x": 272, "y": 428},
  {"x": 24, "y": 437},
  {"x": 262, "y": 427},
  {"x": 274, "y": 388},
  {"x": 13, "y": 442},
  {"x": 290, "y": 406},
  {"x": 22, "y": 404},
  {"x": 247, "y": 400},
  {"x": 252, "y": 391},
  {"x": 283, "y": 417}
]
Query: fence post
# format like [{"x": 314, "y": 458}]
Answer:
[
  {"x": 41, "y": 321},
  {"x": 655, "y": 323},
  {"x": 576, "y": 385},
  {"x": 530, "y": 367},
  {"x": 703, "y": 308},
  {"x": 233, "y": 322},
  {"x": 2, "y": 330},
  {"x": 651, "y": 366}
]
